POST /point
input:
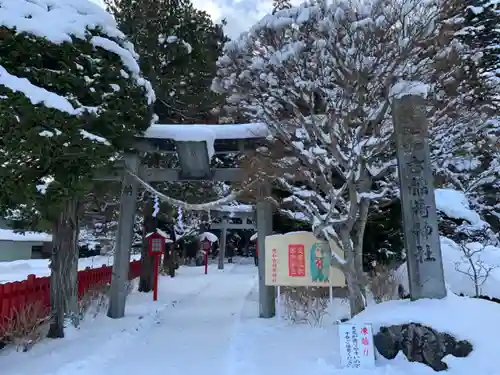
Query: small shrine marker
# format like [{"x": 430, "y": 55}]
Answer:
[{"x": 356, "y": 346}]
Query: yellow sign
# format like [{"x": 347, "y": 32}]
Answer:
[{"x": 300, "y": 259}]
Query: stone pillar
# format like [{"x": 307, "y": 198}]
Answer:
[
  {"x": 267, "y": 308},
  {"x": 425, "y": 264},
  {"x": 124, "y": 238}
]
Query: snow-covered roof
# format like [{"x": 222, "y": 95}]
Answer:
[
  {"x": 10, "y": 235},
  {"x": 59, "y": 21},
  {"x": 208, "y": 236},
  {"x": 235, "y": 208},
  {"x": 160, "y": 232},
  {"x": 204, "y": 132}
]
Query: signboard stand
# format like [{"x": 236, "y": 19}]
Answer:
[
  {"x": 330, "y": 294},
  {"x": 356, "y": 346},
  {"x": 279, "y": 311}
]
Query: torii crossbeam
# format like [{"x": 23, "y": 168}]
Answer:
[{"x": 195, "y": 145}]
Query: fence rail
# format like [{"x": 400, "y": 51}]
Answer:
[{"x": 16, "y": 295}]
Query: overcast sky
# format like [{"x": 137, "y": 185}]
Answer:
[{"x": 240, "y": 14}]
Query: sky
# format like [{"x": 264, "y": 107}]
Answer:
[{"x": 239, "y": 14}]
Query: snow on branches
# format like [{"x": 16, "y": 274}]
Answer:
[{"x": 322, "y": 77}]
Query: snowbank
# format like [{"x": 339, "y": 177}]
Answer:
[
  {"x": 20, "y": 269},
  {"x": 465, "y": 318},
  {"x": 457, "y": 272},
  {"x": 454, "y": 204},
  {"x": 456, "y": 264}
]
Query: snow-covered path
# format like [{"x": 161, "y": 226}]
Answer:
[
  {"x": 189, "y": 331},
  {"x": 193, "y": 338}
]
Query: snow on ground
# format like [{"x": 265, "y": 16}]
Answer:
[
  {"x": 187, "y": 331},
  {"x": 458, "y": 272},
  {"x": 208, "y": 324},
  {"x": 20, "y": 269},
  {"x": 457, "y": 258},
  {"x": 465, "y": 318},
  {"x": 268, "y": 347}
]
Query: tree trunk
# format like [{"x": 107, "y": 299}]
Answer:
[
  {"x": 173, "y": 262},
  {"x": 356, "y": 300},
  {"x": 170, "y": 259},
  {"x": 358, "y": 236},
  {"x": 352, "y": 274},
  {"x": 147, "y": 261},
  {"x": 166, "y": 256},
  {"x": 64, "y": 269}
]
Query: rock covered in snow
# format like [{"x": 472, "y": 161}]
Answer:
[{"x": 420, "y": 343}]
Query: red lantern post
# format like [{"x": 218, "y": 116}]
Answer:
[{"x": 156, "y": 247}]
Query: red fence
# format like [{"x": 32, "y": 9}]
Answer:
[{"x": 13, "y": 296}]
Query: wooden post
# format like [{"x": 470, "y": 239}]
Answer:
[
  {"x": 119, "y": 280},
  {"x": 267, "y": 307},
  {"x": 425, "y": 264},
  {"x": 223, "y": 237},
  {"x": 156, "y": 277}
]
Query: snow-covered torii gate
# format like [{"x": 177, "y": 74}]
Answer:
[
  {"x": 195, "y": 145},
  {"x": 225, "y": 213}
]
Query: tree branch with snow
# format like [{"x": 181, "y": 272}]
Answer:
[{"x": 322, "y": 77}]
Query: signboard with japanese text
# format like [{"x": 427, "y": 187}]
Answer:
[
  {"x": 356, "y": 346},
  {"x": 300, "y": 259}
]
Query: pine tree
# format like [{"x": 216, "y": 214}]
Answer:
[
  {"x": 179, "y": 46},
  {"x": 479, "y": 30},
  {"x": 69, "y": 103}
]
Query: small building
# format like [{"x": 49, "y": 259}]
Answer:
[{"x": 20, "y": 246}]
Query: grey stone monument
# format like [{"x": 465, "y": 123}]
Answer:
[{"x": 425, "y": 264}]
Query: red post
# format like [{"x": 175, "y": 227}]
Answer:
[
  {"x": 206, "y": 261},
  {"x": 156, "y": 277}
]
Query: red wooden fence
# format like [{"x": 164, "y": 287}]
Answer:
[{"x": 13, "y": 296}]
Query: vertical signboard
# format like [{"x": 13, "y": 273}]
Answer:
[{"x": 356, "y": 346}]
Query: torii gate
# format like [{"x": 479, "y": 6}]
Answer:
[
  {"x": 244, "y": 212},
  {"x": 195, "y": 145}
]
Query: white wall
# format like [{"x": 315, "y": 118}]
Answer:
[{"x": 16, "y": 250}]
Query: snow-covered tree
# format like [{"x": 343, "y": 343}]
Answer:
[
  {"x": 477, "y": 22},
  {"x": 72, "y": 96},
  {"x": 465, "y": 151},
  {"x": 179, "y": 46},
  {"x": 322, "y": 76},
  {"x": 466, "y": 157}
]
